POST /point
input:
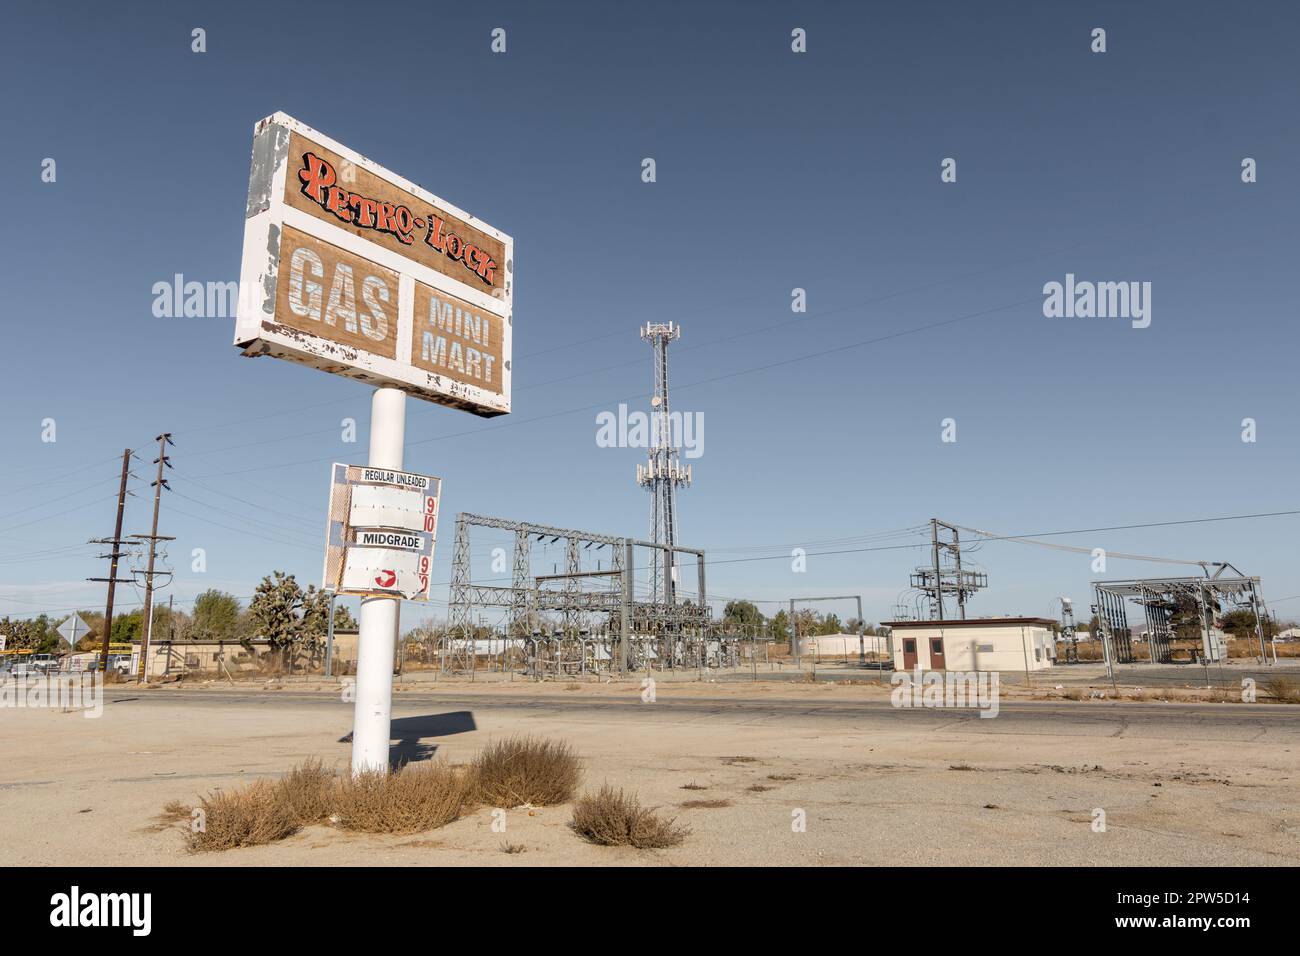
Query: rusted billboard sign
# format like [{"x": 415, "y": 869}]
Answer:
[{"x": 358, "y": 272}]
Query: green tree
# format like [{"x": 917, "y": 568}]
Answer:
[
  {"x": 742, "y": 615},
  {"x": 36, "y": 635},
  {"x": 780, "y": 626},
  {"x": 1241, "y": 623},
  {"x": 276, "y": 610},
  {"x": 216, "y": 616},
  {"x": 127, "y": 627},
  {"x": 316, "y": 620},
  {"x": 293, "y": 621}
]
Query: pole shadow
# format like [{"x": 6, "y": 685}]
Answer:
[{"x": 411, "y": 732}]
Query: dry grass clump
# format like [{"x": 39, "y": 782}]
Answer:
[
  {"x": 529, "y": 770},
  {"x": 246, "y": 816},
  {"x": 693, "y": 786},
  {"x": 308, "y": 792},
  {"x": 705, "y": 804},
  {"x": 173, "y": 813},
  {"x": 611, "y": 817},
  {"x": 417, "y": 797},
  {"x": 1283, "y": 688},
  {"x": 413, "y": 799}
]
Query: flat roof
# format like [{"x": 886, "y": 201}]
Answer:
[{"x": 974, "y": 622}]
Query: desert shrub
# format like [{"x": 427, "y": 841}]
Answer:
[
  {"x": 1283, "y": 687},
  {"x": 611, "y": 817},
  {"x": 529, "y": 770},
  {"x": 418, "y": 797},
  {"x": 245, "y": 816},
  {"x": 308, "y": 792}
]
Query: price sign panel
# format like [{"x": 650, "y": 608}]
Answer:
[{"x": 382, "y": 529}]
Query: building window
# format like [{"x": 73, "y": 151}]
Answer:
[{"x": 936, "y": 646}]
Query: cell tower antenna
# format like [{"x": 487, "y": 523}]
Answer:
[{"x": 663, "y": 472}]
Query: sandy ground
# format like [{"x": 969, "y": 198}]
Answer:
[{"x": 1186, "y": 784}]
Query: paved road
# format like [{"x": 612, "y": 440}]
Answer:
[{"x": 1276, "y": 724}]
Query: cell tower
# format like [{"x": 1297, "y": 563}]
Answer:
[{"x": 663, "y": 472}]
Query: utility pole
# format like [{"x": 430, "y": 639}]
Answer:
[
  {"x": 329, "y": 640},
  {"x": 115, "y": 543},
  {"x": 158, "y": 484},
  {"x": 938, "y": 581}
]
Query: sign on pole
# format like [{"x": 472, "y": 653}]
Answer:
[
  {"x": 383, "y": 525},
  {"x": 71, "y": 630},
  {"x": 351, "y": 269}
]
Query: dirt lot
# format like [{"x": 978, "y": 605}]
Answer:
[{"x": 1197, "y": 784}]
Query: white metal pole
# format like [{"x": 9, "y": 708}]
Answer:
[{"x": 372, "y": 716}]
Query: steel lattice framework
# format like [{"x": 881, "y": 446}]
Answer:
[
  {"x": 937, "y": 580},
  {"x": 1161, "y": 598},
  {"x": 663, "y": 473},
  {"x": 628, "y": 624}
]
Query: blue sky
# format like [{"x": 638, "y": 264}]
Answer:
[{"x": 775, "y": 170}]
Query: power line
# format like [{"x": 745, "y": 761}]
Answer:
[
  {"x": 261, "y": 522},
  {"x": 1043, "y": 534},
  {"x": 58, "y": 514},
  {"x": 247, "y": 533}
]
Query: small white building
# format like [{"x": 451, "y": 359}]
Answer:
[
  {"x": 842, "y": 645},
  {"x": 975, "y": 644}
]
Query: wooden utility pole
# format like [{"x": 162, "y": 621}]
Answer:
[
  {"x": 115, "y": 543},
  {"x": 153, "y": 537}
]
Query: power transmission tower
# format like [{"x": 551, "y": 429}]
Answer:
[
  {"x": 153, "y": 538},
  {"x": 940, "y": 579},
  {"x": 115, "y": 552},
  {"x": 664, "y": 472},
  {"x": 1069, "y": 631}
]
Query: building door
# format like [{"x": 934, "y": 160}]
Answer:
[
  {"x": 909, "y": 653},
  {"x": 936, "y": 654}
]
